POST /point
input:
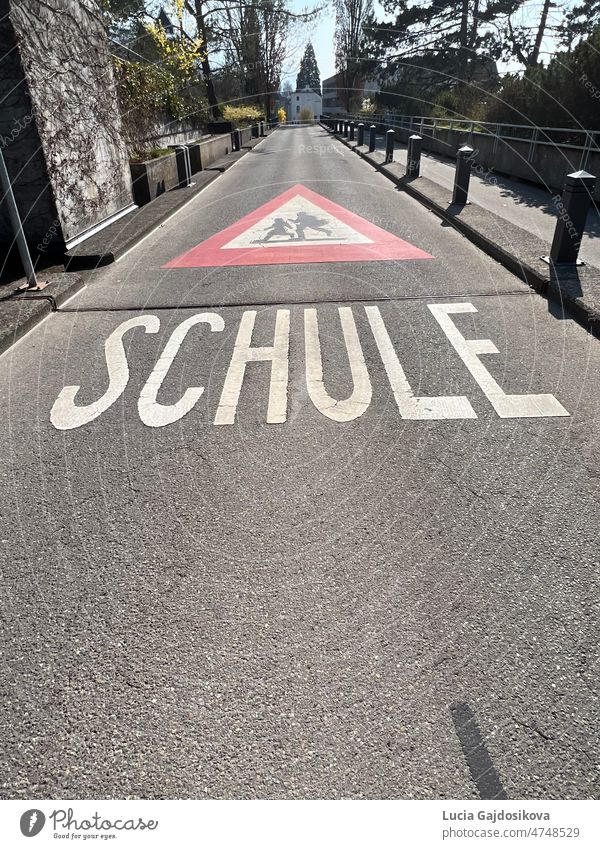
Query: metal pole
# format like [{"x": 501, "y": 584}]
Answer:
[
  {"x": 372, "y": 131},
  {"x": 572, "y": 208},
  {"x": 351, "y": 130},
  {"x": 361, "y": 135},
  {"x": 389, "y": 146},
  {"x": 15, "y": 221},
  {"x": 462, "y": 175},
  {"x": 413, "y": 156}
]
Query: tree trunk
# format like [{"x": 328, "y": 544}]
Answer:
[
  {"x": 535, "y": 54},
  {"x": 215, "y": 109}
]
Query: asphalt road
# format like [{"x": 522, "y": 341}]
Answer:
[{"x": 290, "y": 605}]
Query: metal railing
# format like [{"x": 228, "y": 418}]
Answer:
[{"x": 568, "y": 138}]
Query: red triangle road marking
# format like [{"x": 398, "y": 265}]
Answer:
[{"x": 322, "y": 231}]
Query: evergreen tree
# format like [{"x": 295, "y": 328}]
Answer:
[
  {"x": 436, "y": 46},
  {"x": 309, "y": 75},
  {"x": 562, "y": 94},
  {"x": 451, "y": 34},
  {"x": 579, "y": 20}
]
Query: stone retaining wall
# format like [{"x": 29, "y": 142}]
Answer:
[{"x": 60, "y": 127}]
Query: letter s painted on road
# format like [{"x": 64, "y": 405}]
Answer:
[{"x": 66, "y": 415}]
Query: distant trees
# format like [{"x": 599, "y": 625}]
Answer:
[
  {"x": 441, "y": 55},
  {"x": 309, "y": 75},
  {"x": 244, "y": 42},
  {"x": 249, "y": 40}
]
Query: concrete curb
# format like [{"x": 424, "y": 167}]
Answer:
[
  {"x": 574, "y": 289},
  {"x": 20, "y": 313}
]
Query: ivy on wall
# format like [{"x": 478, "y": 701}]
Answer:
[{"x": 149, "y": 90}]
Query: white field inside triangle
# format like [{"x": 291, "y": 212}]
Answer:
[{"x": 339, "y": 233}]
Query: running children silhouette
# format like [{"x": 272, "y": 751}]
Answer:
[
  {"x": 294, "y": 230},
  {"x": 279, "y": 227},
  {"x": 306, "y": 221}
]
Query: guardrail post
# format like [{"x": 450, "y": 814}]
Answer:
[
  {"x": 413, "y": 156},
  {"x": 17, "y": 227},
  {"x": 361, "y": 135},
  {"x": 389, "y": 146},
  {"x": 532, "y": 144},
  {"x": 351, "y": 130},
  {"x": 462, "y": 175},
  {"x": 372, "y": 132},
  {"x": 572, "y": 207}
]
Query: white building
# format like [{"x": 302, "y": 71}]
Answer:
[{"x": 305, "y": 98}]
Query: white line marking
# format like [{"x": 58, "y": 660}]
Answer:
[
  {"x": 507, "y": 406},
  {"x": 411, "y": 407},
  {"x": 354, "y": 406},
  {"x": 66, "y": 415},
  {"x": 243, "y": 353},
  {"x": 151, "y": 412}
]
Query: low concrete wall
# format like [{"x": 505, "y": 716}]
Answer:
[
  {"x": 153, "y": 177},
  {"x": 214, "y": 149},
  {"x": 203, "y": 154}
]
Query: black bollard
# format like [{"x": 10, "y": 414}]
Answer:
[
  {"x": 372, "y": 131},
  {"x": 462, "y": 175},
  {"x": 346, "y": 129},
  {"x": 389, "y": 146},
  {"x": 351, "y": 130},
  {"x": 413, "y": 156},
  {"x": 361, "y": 135},
  {"x": 237, "y": 139},
  {"x": 572, "y": 207}
]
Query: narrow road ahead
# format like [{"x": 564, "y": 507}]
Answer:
[{"x": 284, "y": 526}]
